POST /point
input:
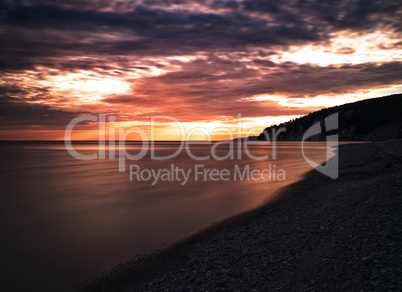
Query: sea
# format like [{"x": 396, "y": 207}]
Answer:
[{"x": 71, "y": 212}]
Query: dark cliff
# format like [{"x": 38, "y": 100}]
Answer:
[{"x": 367, "y": 120}]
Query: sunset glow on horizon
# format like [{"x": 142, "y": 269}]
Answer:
[{"x": 201, "y": 62}]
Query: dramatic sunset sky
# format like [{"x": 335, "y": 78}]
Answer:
[{"x": 202, "y": 62}]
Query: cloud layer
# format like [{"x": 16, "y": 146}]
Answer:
[{"x": 199, "y": 61}]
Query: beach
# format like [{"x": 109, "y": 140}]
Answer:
[{"x": 319, "y": 234}]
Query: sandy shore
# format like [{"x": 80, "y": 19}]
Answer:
[{"x": 320, "y": 235}]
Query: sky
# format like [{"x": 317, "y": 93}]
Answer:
[{"x": 207, "y": 63}]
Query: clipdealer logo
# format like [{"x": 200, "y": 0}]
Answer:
[{"x": 116, "y": 149}]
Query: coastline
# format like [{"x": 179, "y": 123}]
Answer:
[{"x": 318, "y": 234}]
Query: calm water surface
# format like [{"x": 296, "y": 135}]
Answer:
[{"x": 64, "y": 219}]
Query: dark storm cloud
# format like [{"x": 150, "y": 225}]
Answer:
[
  {"x": 14, "y": 114},
  {"x": 157, "y": 32},
  {"x": 15, "y": 111},
  {"x": 44, "y": 30},
  {"x": 210, "y": 79},
  {"x": 215, "y": 88}
]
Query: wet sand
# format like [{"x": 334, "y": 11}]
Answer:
[{"x": 319, "y": 234}]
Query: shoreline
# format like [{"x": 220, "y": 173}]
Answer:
[{"x": 316, "y": 234}]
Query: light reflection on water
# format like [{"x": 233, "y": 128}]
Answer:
[{"x": 64, "y": 219}]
